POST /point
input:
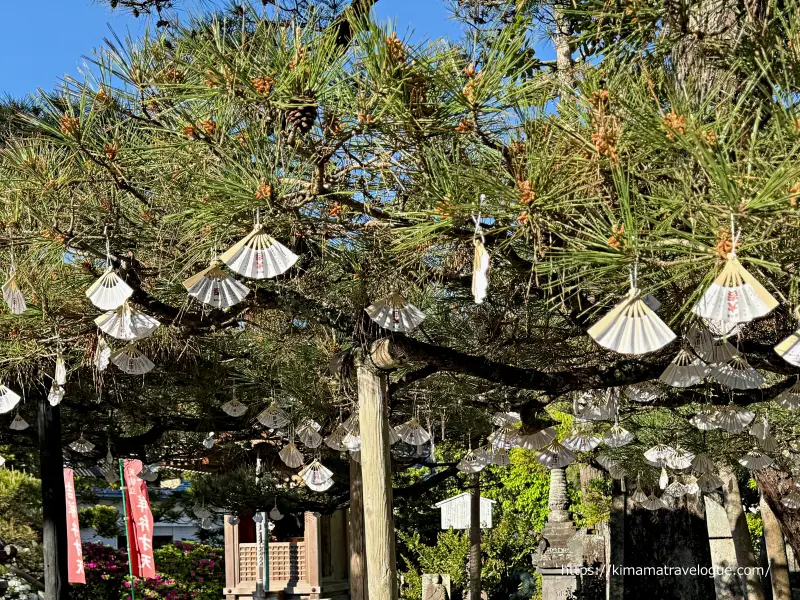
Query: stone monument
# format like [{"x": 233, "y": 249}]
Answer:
[{"x": 436, "y": 587}]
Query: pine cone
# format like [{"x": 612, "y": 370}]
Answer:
[{"x": 303, "y": 112}]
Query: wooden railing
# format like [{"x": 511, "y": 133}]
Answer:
[{"x": 287, "y": 562}]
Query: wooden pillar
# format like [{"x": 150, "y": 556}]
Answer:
[
  {"x": 740, "y": 534},
  {"x": 475, "y": 538},
  {"x": 776, "y": 554},
  {"x": 313, "y": 541},
  {"x": 616, "y": 542},
  {"x": 358, "y": 564},
  {"x": 54, "y": 503},
  {"x": 377, "y": 484},
  {"x": 231, "y": 555}
]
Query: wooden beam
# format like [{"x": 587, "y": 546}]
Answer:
[
  {"x": 377, "y": 483},
  {"x": 358, "y": 564},
  {"x": 475, "y": 538}
]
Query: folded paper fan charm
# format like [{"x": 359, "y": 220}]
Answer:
[
  {"x": 556, "y": 456},
  {"x": 708, "y": 482},
  {"x": 760, "y": 429},
  {"x": 259, "y": 256},
  {"x": 109, "y": 292},
  {"x": 703, "y": 464},
  {"x": 538, "y": 440},
  {"x": 789, "y": 349},
  {"x": 82, "y": 445},
  {"x": 791, "y": 501},
  {"x": 335, "y": 441},
  {"x": 413, "y": 433},
  {"x": 56, "y": 395},
  {"x": 290, "y": 455},
  {"x": 480, "y": 273},
  {"x": 705, "y": 420},
  {"x": 275, "y": 514},
  {"x": 639, "y": 496},
  {"x": 8, "y": 399},
  {"x": 684, "y": 371},
  {"x": 675, "y": 489},
  {"x": 317, "y": 477},
  {"x": 129, "y": 360},
  {"x": 659, "y": 453},
  {"x": 737, "y": 374},
  {"x": 754, "y": 460},
  {"x": 643, "y": 392},
  {"x": 216, "y": 288},
  {"x": 126, "y": 323},
  {"x": 352, "y": 441},
  {"x": 13, "y": 296},
  {"x": 579, "y": 442},
  {"x": 733, "y": 419},
  {"x": 768, "y": 444},
  {"x": 700, "y": 339},
  {"x": 500, "y": 457},
  {"x": 631, "y": 328},
  {"x": 653, "y": 502},
  {"x": 735, "y": 296},
  {"x": 273, "y": 417},
  {"x": 309, "y": 434},
  {"x": 788, "y": 399},
  {"x": 618, "y": 436},
  {"x": 234, "y": 408},
  {"x": 19, "y": 424},
  {"x": 682, "y": 459},
  {"x": 505, "y": 438},
  {"x": 722, "y": 329},
  {"x": 471, "y": 463},
  {"x": 395, "y": 313},
  {"x": 505, "y": 418}
]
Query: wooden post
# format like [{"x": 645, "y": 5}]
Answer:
[
  {"x": 475, "y": 538},
  {"x": 358, "y": 565},
  {"x": 377, "y": 484},
  {"x": 54, "y": 503},
  {"x": 231, "y": 556},
  {"x": 776, "y": 554},
  {"x": 313, "y": 539}
]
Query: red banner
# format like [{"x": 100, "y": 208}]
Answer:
[
  {"x": 74, "y": 551},
  {"x": 140, "y": 521}
]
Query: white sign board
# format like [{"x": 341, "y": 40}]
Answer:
[{"x": 456, "y": 512}]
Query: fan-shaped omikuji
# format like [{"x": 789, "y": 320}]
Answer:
[
  {"x": 82, "y": 445},
  {"x": 259, "y": 256},
  {"x": 395, "y": 313},
  {"x": 556, "y": 456},
  {"x": 109, "y": 291},
  {"x": 653, "y": 502},
  {"x": 8, "y": 399},
  {"x": 19, "y": 424},
  {"x": 13, "y": 296},
  {"x": 705, "y": 420},
  {"x": 129, "y": 360},
  {"x": 148, "y": 474},
  {"x": 216, "y": 288},
  {"x": 579, "y": 442},
  {"x": 290, "y": 455},
  {"x": 788, "y": 399},
  {"x": 631, "y": 327},
  {"x": 273, "y": 417},
  {"x": 685, "y": 370},
  {"x": 736, "y": 374},
  {"x": 335, "y": 441},
  {"x": 317, "y": 476},
  {"x": 471, "y": 463},
  {"x": 703, "y": 464},
  {"x": 538, "y": 439},
  {"x": 733, "y": 419},
  {"x": 413, "y": 433},
  {"x": 618, "y": 436},
  {"x": 126, "y": 323},
  {"x": 480, "y": 272},
  {"x": 708, "y": 482},
  {"x": 754, "y": 460},
  {"x": 735, "y": 296},
  {"x": 234, "y": 408},
  {"x": 500, "y": 457},
  {"x": 789, "y": 349},
  {"x": 309, "y": 436}
]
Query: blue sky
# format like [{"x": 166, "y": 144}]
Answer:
[{"x": 42, "y": 40}]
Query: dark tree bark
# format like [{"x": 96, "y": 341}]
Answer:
[
  {"x": 774, "y": 485},
  {"x": 475, "y": 538},
  {"x": 54, "y": 504}
]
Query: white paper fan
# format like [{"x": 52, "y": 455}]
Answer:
[
  {"x": 684, "y": 371},
  {"x": 500, "y": 457},
  {"x": 643, "y": 392},
  {"x": 414, "y": 433},
  {"x": 788, "y": 399},
  {"x": 760, "y": 428},
  {"x": 639, "y": 495},
  {"x": 13, "y": 296},
  {"x": 275, "y": 514},
  {"x": 470, "y": 463},
  {"x": 591, "y": 406},
  {"x": 737, "y": 375},
  {"x": 722, "y": 329},
  {"x": 109, "y": 292},
  {"x": 148, "y": 474},
  {"x": 735, "y": 296},
  {"x": 682, "y": 459},
  {"x": 631, "y": 328},
  {"x": 291, "y": 456},
  {"x": 216, "y": 288},
  {"x": 505, "y": 438},
  {"x": 2, "y": 462},
  {"x": 352, "y": 441},
  {"x": 126, "y": 323},
  {"x": 700, "y": 339},
  {"x": 792, "y": 501},
  {"x": 129, "y": 360},
  {"x": 690, "y": 485},
  {"x": 705, "y": 420},
  {"x": 259, "y": 256},
  {"x": 789, "y": 349},
  {"x": 8, "y": 399},
  {"x": 659, "y": 453},
  {"x": 708, "y": 482},
  {"x": 394, "y": 437},
  {"x": 480, "y": 272},
  {"x": 675, "y": 490},
  {"x": 273, "y": 417},
  {"x": 55, "y": 395},
  {"x": 506, "y": 418},
  {"x": 768, "y": 444},
  {"x": 556, "y": 456},
  {"x": 703, "y": 464},
  {"x": 580, "y": 442},
  {"x": 102, "y": 354},
  {"x": 653, "y": 502},
  {"x": 335, "y": 441},
  {"x": 82, "y": 445},
  {"x": 755, "y": 460},
  {"x": 317, "y": 477},
  {"x": 618, "y": 436},
  {"x": 308, "y": 434},
  {"x": 733, "y": 419},
  {"x": 19, "y": 424},
  {"x": 234, "y": 408},
  {"x": 395, "y": 313},
  {"x": 539, "y": 439}
]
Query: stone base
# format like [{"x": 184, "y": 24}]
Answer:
[
  {"x": 558, "y": 535},
  {"x": 556, "y": 585}
]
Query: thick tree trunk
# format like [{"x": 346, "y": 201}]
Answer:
[
  {"x": 587, "y": 474},
  {"x": 774, "y": 485},
  {"x": 54, "y": 504},
  {"x": 376, "y": 478},
  {"x": 776, "y": 553},
  {"x": 358, "y": 564},
  {"x": 475, "y": 538},
  {"x": 742, "y": 543}
]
